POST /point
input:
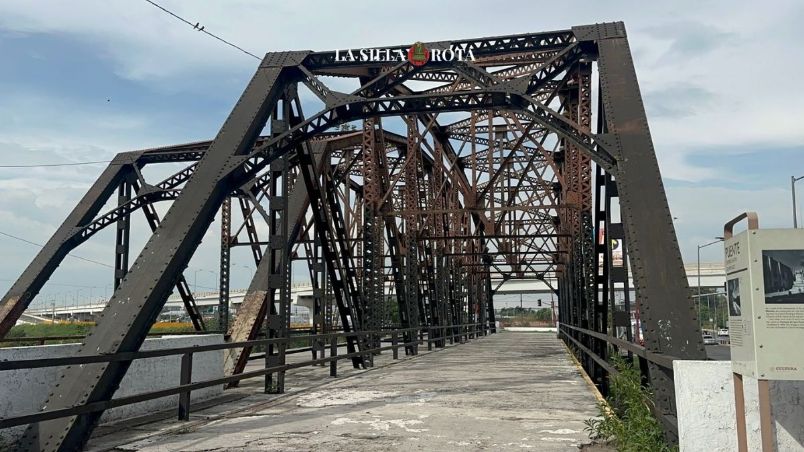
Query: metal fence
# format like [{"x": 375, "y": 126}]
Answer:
[
  {"x": 395, "y": 339},
  {"x": 580, "y": 339}
]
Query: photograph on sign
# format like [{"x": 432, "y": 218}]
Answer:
[
  {"x": 783, "y": 275},
  {"x": 733, "y": 289},
  {"x": 616, "y": 252},
  {"x": 616, "y": 249}
]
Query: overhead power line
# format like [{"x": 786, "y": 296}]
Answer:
[
  {"x": 203, "y": 30},
  {"x": 39, "y": 165},
  {"x": 42, "y": 246},
  {"x": 195, "y": 26}
]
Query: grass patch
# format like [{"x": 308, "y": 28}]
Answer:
[
  {"x": 79, "y": 329},
  {"x": 47, "y": 330},
  {"x": 626, "y": 420},
  {"x": 172, "y": 327}
]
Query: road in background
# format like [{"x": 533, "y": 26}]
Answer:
[{"x": 718, "y": 352}]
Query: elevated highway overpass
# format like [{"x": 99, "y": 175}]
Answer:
[{"x": 712, "y": 276}]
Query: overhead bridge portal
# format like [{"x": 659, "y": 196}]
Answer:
[{"x": 525, "y": 159}]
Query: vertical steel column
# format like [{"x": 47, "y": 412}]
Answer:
[
  {"x": 482, "y": 299},
  {"x": 440, "y": 295},
  {"x": 601, "y": 262},
  {"x": 438, "y": 299},
  {"x": 427, "y": 279},
  {"x": 141, "y": 295},
  {"x": 393, "y": 236},
  {"x": 659, "y": 276},
  {"x": 473, "y": 295},
  {"x": 410, "y": 314},
  {"x": 460, "y": 293},
  {"x": 581, "y": 112},
  {"x": 225, "y": 264},
  {"x": 121, "y": 249},
  {"x": 319, "y": 323},
  {"x": 330, "y": 227},
  {"x": 425, "y": 275},
  {"x": 254, "y": 307},
  {"x": 454, "y": 297},
  {"x": 492, "y": 319},
  {"x": 564, "y": 258},
  {"x": 373, "y": 255},
  {"x": 315, "y": 267},
  {"x": 277, "y": 324},
  {"x": 575, "y": 220},
  {"x": 278, "y": 318},
  {"x": 452, "y": 268},
  {"x": 330, "y": 319}
]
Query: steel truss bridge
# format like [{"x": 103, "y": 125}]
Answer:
[{"x": 445, "y": 179}]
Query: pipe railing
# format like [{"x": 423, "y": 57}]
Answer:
[
  {"x": 41, "y": 340},
  {"x": 185, "y": 386},
  {"x": 659, "y": 359}
]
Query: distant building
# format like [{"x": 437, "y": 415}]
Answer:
[{"x": 525, "y": 293}]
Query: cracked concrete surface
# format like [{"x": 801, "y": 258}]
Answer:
[{"x": 509, "y": 391}]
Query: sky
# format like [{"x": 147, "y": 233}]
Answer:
[{"x": 84, "y": 80}]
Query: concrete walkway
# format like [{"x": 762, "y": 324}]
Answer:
[{"x": 509, "y": 391}]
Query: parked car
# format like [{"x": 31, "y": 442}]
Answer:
[
  {"x": 708, "y": 339},
  {"x": 722, "y": 332}
]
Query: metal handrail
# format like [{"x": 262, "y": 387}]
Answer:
[
  {"x": 42, "y": 339},
  {"x": 659, "y": 359},
  {"x": 186, "y": 352},
  {"x": 669, "y": 420}
]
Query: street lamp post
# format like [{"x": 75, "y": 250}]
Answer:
[
  {"x": 217, "y": 280},
  {"x": 195, "y": 277},
  {"x": 195, "y": 280},
  {"x": 793, "y": 180},
  {"x": 717, "y": 240}
]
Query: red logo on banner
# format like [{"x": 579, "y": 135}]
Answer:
[{"x": 418, "y": 54}]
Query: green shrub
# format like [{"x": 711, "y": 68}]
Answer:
[
  {"x": 171, "y": 327},
  {"x": 626, "y": 420},
  {"x": 78, "y": 329},
  {"x": 47, "y": 330}
]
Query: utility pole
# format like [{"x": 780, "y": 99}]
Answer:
[
  {"x": 793, "y": 180},
  {"x": 553, "y": 311},
  {"x": 717, "y": 240}
]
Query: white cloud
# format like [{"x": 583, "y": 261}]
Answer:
[
  {"x": 701, "y": 213},
  {"x": 743, "y": 68},
  {"x": 40, "y": 122},
  {"x": 732, "y": 53}
]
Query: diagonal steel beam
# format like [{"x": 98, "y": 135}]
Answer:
[
  {"x": 658, "y": 271},
  {"x": 137, "y": 302},
  {"x": 254, "y": 306},
  {"x": 20, "y": 295}
]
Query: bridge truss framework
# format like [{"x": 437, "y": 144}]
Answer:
[{"x": 453, "y": 178}]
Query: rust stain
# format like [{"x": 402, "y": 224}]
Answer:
[{"x": 245, "y": 327}]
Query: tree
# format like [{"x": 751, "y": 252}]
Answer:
[{"x": 545, "y": 314}]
